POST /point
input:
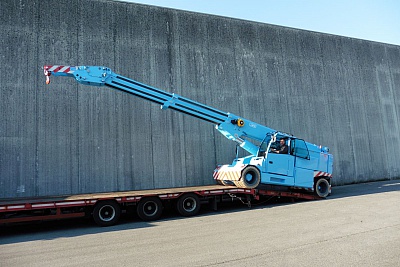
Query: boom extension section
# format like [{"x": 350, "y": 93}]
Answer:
[{"x": 231, "y": 126}]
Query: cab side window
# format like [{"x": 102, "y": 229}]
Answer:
[{"x": 299, "y": 149}]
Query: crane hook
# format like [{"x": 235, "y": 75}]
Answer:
[{"x": 47, "y": 74}]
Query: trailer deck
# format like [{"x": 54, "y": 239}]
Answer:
[{"x": 149, "y": 203}]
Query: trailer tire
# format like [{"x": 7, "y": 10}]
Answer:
[
  {"x": 188, "y": 204},
  {"x": 149, "y": 208},
  {"x": 250, "y": 178},
  {"x": 322, "y": 187},
  {"x": 106, "y": 213}
]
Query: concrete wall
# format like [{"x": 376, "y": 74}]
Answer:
[{"x": 68, "y": 138}]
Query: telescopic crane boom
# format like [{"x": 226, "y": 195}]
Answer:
[{"x": 230, "y": 125}]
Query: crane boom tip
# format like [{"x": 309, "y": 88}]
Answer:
[{"x": 47, "y": 73}]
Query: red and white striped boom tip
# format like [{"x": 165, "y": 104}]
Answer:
[{"x": 49, "y": 69}]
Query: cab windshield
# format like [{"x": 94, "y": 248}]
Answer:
[
  {"x": 264, "y": 145},
  {"x": 271, "y": 141}
]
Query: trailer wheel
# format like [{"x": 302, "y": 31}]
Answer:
[
  {"x": 106, "y": 213},
  {"x": 149, "y": 208},
  {"x": 250, "y": 178},
  {"x": 188, "y": 204},
  {"x": 322, "y": 187}
]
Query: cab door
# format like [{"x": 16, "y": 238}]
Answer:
[
  {"x": 280, "y": 164},
  {"x": 304, "y": 171},
  {"x": 279, "y": 168}
]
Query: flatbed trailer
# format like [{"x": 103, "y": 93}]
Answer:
[{"x": 106, "y": 208}]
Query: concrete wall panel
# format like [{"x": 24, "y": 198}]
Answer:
[{"x": 68, "y": 138}]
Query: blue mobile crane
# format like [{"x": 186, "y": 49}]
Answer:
[{"x": 294, "y": 164}]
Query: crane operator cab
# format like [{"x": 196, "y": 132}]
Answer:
[
  {"x": 290, "y": 161},
  {"x": 281, "y": 143}
]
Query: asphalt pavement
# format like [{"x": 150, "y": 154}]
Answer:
[{"x": 358, "y": 225}]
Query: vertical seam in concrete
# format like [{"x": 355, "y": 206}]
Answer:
[
  {"x": 324, "y": 86},
  {"x": 392, "y": 96},
  {"x": 152, "y": 60},
  {"x": 347, "y": 109},
  {"x": 173, "y": 65},
  {"x": 240, "y": 70},
  {"x": 36, "y": 176},
  {"x": 368, "y": 133},
  {"x": 78, "y": 141},
  {"x": 214, "y": 132},
  {"x": 284, "y": 69},
  {"x": 391, "y": 86},
  {"x": 176, "y": 39},
  {"x": 116, "y": 117},
  {"x": 381, "y": 106}
]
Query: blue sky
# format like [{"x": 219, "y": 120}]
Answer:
[{"x": 375, "y": 20}]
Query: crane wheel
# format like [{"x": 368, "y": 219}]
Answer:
[
  {"x": 250, "y": 178},
  {"x": 106, "y": 213},
  {"x": 321, "y": 187},
  {"x": 149, "y": 208}
]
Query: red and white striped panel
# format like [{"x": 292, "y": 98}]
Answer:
[
  {"x": 58, "y": 68},
  {"x": 228, "y": 173},
  {"x": 216, "y": 174},
  {"x": 322, "y": 174}
]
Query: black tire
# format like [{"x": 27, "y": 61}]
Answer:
[
  {"x": 106, "y": 213},
  {"x": 149, "y": 208},
  {"x": 250, "y": 178},
  {"x": 188, "y": 205},
  {"x": 322, "y": 187}
]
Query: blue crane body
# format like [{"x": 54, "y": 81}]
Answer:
[{"x": 303, "y": 165}]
